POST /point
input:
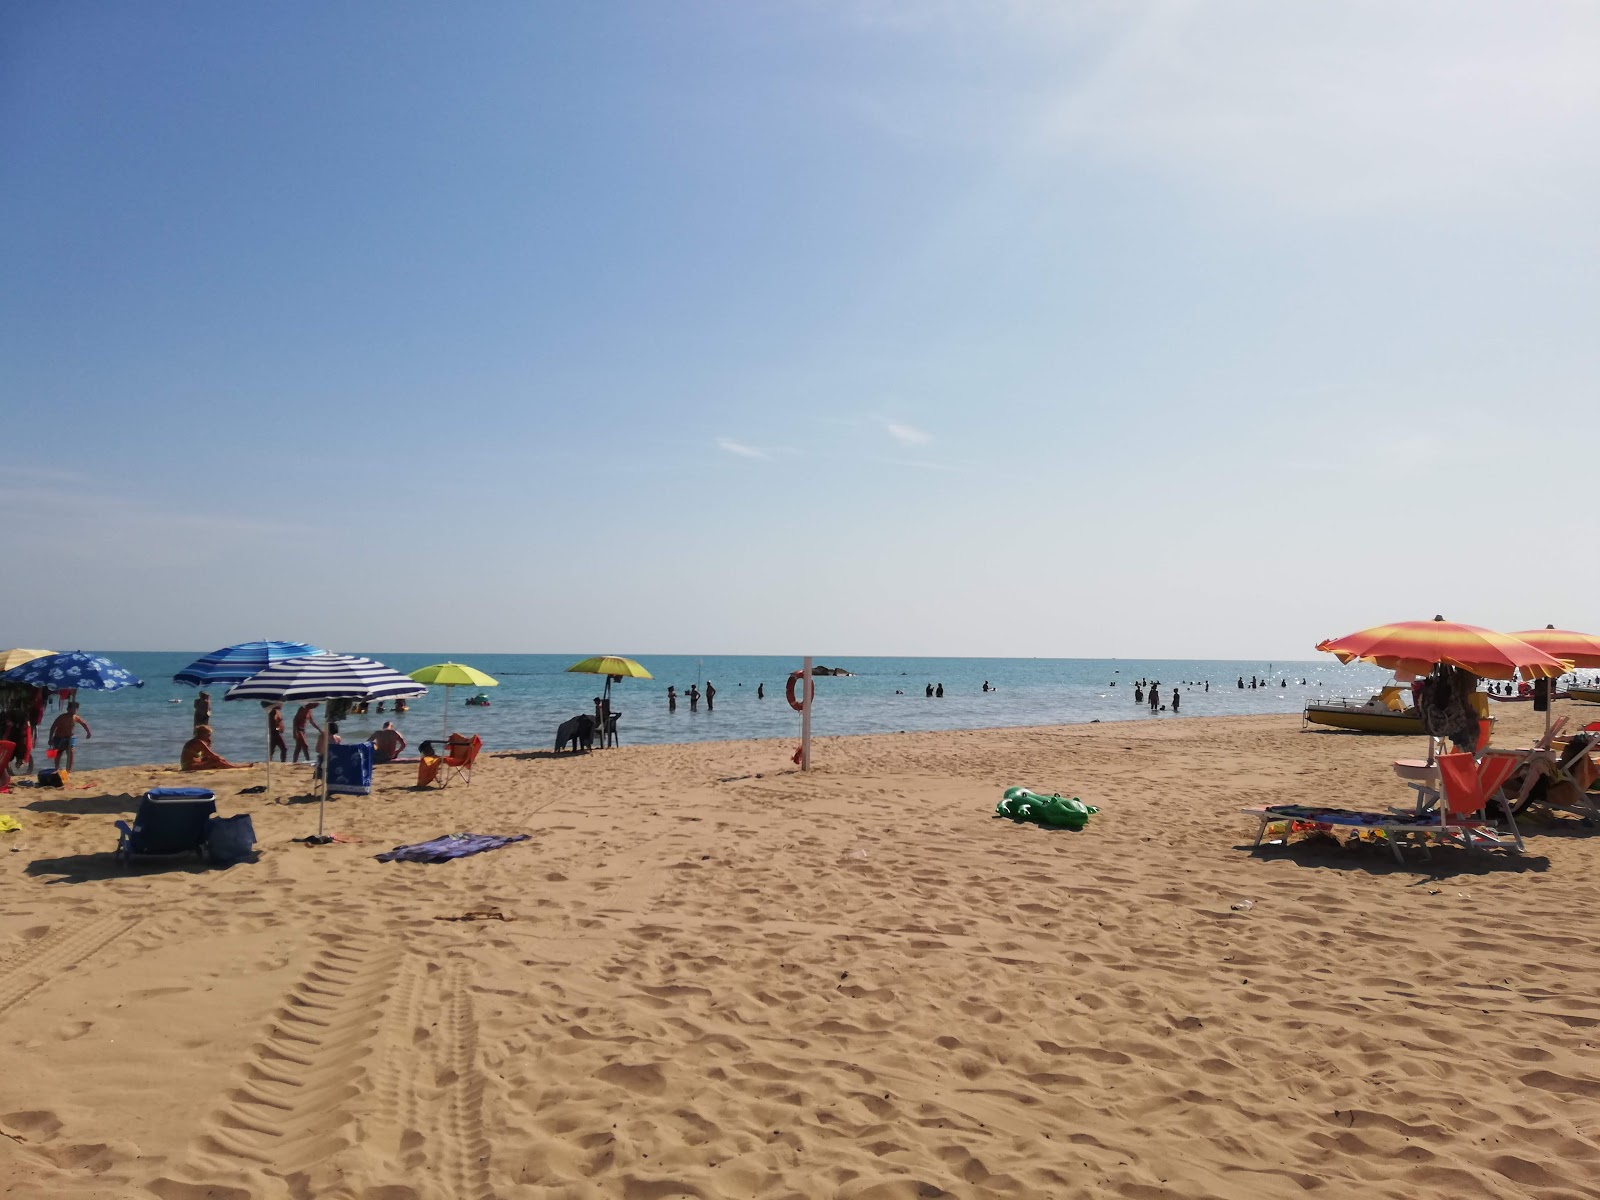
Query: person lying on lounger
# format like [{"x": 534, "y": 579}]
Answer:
[{"x": 197, "y": 754}]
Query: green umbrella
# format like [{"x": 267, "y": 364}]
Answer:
[{"x": 449, "y": 675}]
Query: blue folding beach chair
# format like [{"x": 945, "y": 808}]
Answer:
[
  {"x": 169, "y": 821},
  {"x": 350, "y": 769}
]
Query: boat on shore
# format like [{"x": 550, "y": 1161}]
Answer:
[
  {"x": 1386, "y": 712},
  {"x": 1587, "y": 695}
]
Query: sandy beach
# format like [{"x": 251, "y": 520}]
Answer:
[{"x": 718, "y": 977}]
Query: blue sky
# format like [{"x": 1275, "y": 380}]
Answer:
[{"x": 961, "y": 328}]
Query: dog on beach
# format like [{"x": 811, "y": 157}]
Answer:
[{"x": 578, "y": 729}]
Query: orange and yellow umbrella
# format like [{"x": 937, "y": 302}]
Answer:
[
  {"x": 1579, "y": 649},
  {"x": 1419, "y": 646}
]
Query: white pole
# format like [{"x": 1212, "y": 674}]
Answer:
[
  {"x": 444, "y": 734},
  {"x": 808, "y": 692}
]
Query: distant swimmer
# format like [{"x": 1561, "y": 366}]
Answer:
[
  {"x": 672, "y": 699},
  {"x": 711, "y": 696},
  {"x": 939, "y": 691},
  {"x": 986, "y": 685},
  {"x": 1174, "y": 699},
  {"x": 761, "y": 691},
  {"x": 929, "y": 692},
  {"x": 1138, "y": 694}
]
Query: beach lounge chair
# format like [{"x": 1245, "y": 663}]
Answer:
[
  {"x": 350, "y": 769},
  {"x": 169, "y": 821},
  {"x": 456, "y": 765},
  {"x": 1461, "y": 819}
]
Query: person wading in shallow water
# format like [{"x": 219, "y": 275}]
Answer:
[{"x": 1174, "y": 699}]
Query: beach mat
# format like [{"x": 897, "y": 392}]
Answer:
[{"x": 451, "y": 845}]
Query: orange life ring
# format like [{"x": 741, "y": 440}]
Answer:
[{"x": 788, "y": 691}]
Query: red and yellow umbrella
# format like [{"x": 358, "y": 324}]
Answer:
[
  {"x": 1579, "y": 649},
  {"x": 1419, "y": 646}
]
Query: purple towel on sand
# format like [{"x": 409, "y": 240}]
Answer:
[{"x": 451, "y": 845}]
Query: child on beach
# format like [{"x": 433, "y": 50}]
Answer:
[{"x": 62, "y": 739}]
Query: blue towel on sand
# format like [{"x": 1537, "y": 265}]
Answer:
[{"x": 451, "y": 845}]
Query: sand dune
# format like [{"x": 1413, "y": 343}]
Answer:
[{"x": 721, "y": 978}]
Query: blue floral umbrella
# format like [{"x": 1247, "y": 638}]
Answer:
[
  {"x": 235, "y": 664},
  {"x": 73, "y": 669}
]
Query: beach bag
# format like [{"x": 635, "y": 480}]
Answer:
[
  {"x": 230, "y": 839},
  {"x": 50, "y": 777}
]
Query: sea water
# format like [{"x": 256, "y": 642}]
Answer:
[{"x": 882, "y": 695}]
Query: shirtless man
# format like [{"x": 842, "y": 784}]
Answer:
[
  {"x": 62, "y": 738},
  {"x": 387, "y": 743},
  {"x": 302, "y": 718}
]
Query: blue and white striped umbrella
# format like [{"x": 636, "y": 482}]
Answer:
[
  {"x": 325, "y": 677},
  {"x": 235, "y": 664},
  {"x": 73, "y": 669}
]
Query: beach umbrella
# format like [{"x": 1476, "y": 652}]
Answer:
[
  {"x": 15, "y": 658},
  {"x": 235, "y": 664},
  {"x": 1419, "y": 646},
  {"x": 451, "y": 675},
  {"x": 320, "y": 677},
  {"x": 73, "y": 669},
  {"x": 612, "y": 666},
  {"x": 1579, "y": 649}
]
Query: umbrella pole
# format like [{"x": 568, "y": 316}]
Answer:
[{"x": 444, "y": 731}]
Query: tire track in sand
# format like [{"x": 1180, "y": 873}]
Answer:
[
  {"x": 429, "y": 1090},
  {"x": 35, "y": 964},
  {"x": 295, "y": 1103}
]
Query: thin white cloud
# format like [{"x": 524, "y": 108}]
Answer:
[
  {"x": 907, "y": 435},
  {"x": 740, "y": 449}
]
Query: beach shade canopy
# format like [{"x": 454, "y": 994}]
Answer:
[
  {"x": 235, "y": 664},
  {"x": 1579, "y": 649},
  {"x": 1416, "y": 647},
  {"x": 15, "y": 658},
  {"x": 73, "y": 669},
  {"x": 611, "y": 666},
  {"x": 449, "y": 675},
  {"x": 325, "y": 676},
  {"x": 608, "y": 665}
]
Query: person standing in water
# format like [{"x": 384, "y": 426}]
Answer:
[
  {"x": 711, "y": 696},
  {"x": 1138, "y": 694},
  {"x": 672, "y": 699},
  {"x": 939, "y": 691},
  {"x": 761, "y": 691},
  {"x": 1174, "y": 699},
  {"x": 1155, "y": 699}
]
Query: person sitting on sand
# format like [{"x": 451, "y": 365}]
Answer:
[
  {"x": 197, "y": 754},
  {"x": 387, "y": 743}
]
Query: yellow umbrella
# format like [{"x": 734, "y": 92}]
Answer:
[
  {"x": 449, "y": 675},
  {"x": 15, "y": 658},
  {"x": 612, "y": 666}
]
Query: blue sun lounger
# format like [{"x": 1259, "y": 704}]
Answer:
[{"x": 169, "y": 821}]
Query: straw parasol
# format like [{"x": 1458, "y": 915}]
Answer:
[{"x": 15, "y": 658}]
